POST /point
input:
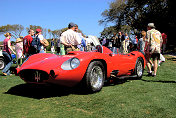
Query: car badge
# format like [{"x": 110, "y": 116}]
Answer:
[{"x": 37, "y": 76}]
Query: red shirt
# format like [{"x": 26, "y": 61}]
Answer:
[
  {"x": 27, "y": 44},
  {"x": 6, "y": 48},
  {"x": 164, "y": 37}
]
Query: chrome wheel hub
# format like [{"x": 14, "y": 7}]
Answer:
[
  {"x": 139, "y": 69},
  {"x": 1, "y": 64},
  {"x": 96, "y": 77}
]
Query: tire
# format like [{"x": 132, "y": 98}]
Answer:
[
  {"x": 139, "y": 67},
  {"x": 94, "y": 76},
  {"x": 2, "y": 63}
]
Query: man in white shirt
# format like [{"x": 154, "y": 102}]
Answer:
[{"x": 70, "y": 39}]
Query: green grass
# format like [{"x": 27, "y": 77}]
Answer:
[{"x": 146, "y": 98}]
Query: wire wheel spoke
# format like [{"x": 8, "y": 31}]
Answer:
[
  {"x": 139, "y": 69},
  {"x": 96, "y": 77}
]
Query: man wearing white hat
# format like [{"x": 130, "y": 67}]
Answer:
[{"x": 154, "y": 38}]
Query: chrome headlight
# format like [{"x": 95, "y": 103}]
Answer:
[
  {"x": 74, "y": 63},
  {"x": 70, "y": 64}
]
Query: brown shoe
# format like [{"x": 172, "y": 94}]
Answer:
[{"x": 5, "y": 74}]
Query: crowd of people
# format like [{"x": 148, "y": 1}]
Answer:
[
  {"x": 34, "y": 42},
  {"x": 120, "y": 41},
  {"x": 71, "y": 40},
  {"x": 151, "y": 43},
  {"x": 24, "y": 48}
]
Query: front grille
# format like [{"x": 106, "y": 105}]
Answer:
[{"x": 34, "y": 75}]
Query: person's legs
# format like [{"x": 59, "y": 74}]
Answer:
[
  {"x": 156, "y": 57},
  {"x": 58, "y": 50},
  {"x": 42, "y": 51},
  {"x": 155, "y": 66},
  {"x": 123, "y": 46},
  {"x": 19, "y": 62},
  {"x": 148, "y": 67},
  {"x": 8, "y": 59},
  {"x": 164, "y": 48},
  {"x": 148, "y": 63}
]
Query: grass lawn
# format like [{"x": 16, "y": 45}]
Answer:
[{"x": 151, "y": 97}]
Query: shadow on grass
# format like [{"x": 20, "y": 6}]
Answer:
[
  {"x": 171, "y": 59},
  {"x": 117, "y": 81},
  {"x": 158, "y": 81},
  {"x": 47, "y": 91},
  {"x": 42, "y": 91}
]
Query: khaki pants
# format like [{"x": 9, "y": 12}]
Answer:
[
  {"x": 73, "y": 48},
  {"x": 123, "y": 46}
]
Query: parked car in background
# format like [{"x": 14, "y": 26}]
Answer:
[{"x": 2, "y": 63}]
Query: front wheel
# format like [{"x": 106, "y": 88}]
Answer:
[
  {"x": 94, "y": 76},
  {"x": 139, "y": 67}
]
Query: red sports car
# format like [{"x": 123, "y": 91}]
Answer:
[{"x": 91, "y": 68}]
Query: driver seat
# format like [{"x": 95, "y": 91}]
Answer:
[{"x": 99, "y": 48}]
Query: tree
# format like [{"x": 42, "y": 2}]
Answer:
[
  {"x": 44, "y": 32},
  {"x": 15, "y": 30},
  {"x": 138, "y": 13},
  {"x": 34, "y": 27},
  {"x": 50, "y": 33},
  {"x": 108, "y": 32},
  {"x": 56, "y": 33}
]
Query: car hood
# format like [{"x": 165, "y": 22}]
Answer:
[{"x": 45, "y": 61}]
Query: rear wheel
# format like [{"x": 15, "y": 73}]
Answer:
[
  {"x": 2, "y": 63},
  {"x": 139, "y": 67},
  {"x": 94, "y": 76}
]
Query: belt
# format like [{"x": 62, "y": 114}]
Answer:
[{"x": 71, "y": 46}]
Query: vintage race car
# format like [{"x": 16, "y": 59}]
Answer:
[{"x": 90, "y": 68}]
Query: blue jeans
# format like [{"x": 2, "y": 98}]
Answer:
[
  {"x": 42, "y": 51},
  {"x": 8, "y": 61}
]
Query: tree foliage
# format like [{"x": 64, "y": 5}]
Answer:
[
  {"x": 108, "y": 32},
  {"x": 34, "y": 27},
  {"x": 56, "y": 33},
  {"x": 138, "y": 13},
  {"x": 15, "y": 30}
]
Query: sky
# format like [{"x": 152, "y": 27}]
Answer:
[{"x": 54, "y": 14}]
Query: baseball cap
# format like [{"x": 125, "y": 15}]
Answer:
[
  {"x": 71, "y": 24},
  {"x": 38, "y": 30}
]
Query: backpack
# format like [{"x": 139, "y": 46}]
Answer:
[{"x": 35, "y": 45}]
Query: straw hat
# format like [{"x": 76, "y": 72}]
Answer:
[
  {"x": 18, "y": 40},
  {"x": 21, "y": 37}
]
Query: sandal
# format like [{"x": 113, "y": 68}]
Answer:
[{"x": 5, "y": 74}]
